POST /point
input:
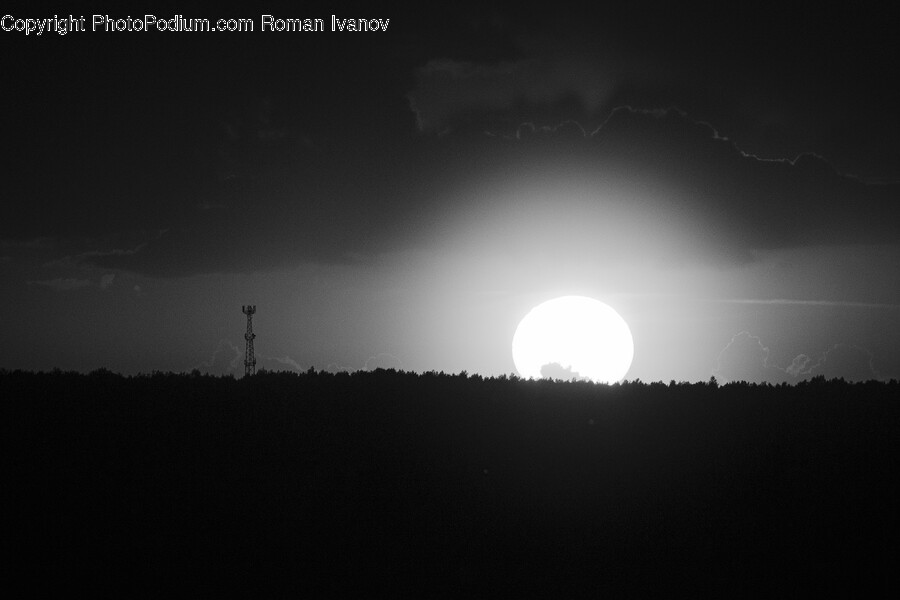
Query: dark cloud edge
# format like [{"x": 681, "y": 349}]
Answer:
[
  {"x": 705, "y": 130},
  {"x": 833, "y": 219}
]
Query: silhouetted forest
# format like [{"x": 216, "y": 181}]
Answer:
[{"x": 391, "y": 484}]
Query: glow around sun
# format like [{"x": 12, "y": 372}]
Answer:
[{"x": 573, "y": 337}]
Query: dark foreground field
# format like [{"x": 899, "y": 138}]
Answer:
[{"x": 398, "y": 485}]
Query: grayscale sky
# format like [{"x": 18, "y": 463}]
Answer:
[{"x": 727, "y": 177}]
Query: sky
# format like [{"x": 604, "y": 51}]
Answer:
[{"x": 725, "y": 176}]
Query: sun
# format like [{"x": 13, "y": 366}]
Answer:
[{"x": 573, "y": 337}]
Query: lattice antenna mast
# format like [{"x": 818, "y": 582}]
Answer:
[{"x": 249, "y": 357}]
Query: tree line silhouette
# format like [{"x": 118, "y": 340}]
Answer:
[{"x": 388, "y": 483}]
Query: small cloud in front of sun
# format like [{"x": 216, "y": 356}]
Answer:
[{"x": 557, "y": 371}]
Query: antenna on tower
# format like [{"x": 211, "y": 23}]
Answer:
[{"x": 249, "y": 358}]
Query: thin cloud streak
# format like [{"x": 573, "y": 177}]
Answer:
[{"x": 788, "y": 302}]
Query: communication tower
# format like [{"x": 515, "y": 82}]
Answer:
[{"x": 249, "y": 358}]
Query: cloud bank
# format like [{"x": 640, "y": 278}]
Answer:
[
  {"x": 462, "y": 96},
  {"x": 732, "y": 203},
  {"x": 746, "y": 358}
]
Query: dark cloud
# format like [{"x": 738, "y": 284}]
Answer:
[
  {"x": 452, "y": 95},
  {"x": 563, "y": 131},
  {"x": 256, "y": 137},
  {"x": 94, "y": 256},
  {"x": 732, "y": 203},
  {"x": 240, "y": 242},
  {"x": 61, "y": 284},
  {"x": 738, "y": 201}
]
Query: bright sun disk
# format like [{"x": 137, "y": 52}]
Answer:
[{"x": 573, "y": 337}]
